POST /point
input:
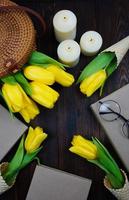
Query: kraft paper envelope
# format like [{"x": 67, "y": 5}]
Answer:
[
  {"x": 113, "y": 129},
  {"x": 49, "y": 183},
  {"x": 11, "y": 130}
]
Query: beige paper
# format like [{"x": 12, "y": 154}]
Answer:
[
  {"x": 120, "y": 194},
  {"x": 120, "y": 48}
]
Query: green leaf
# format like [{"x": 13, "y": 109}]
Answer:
[
  {"x": 40, "y": 58},
  {"x": 10, "y": 79},
  {"x": 29, "y": 157},
  {"x": 105, "y": 151},
  {"x": 102, "y": 88},
  {"x": 111, "y": 67},
  {"x": 42, "y": 65},
  {"x": 99, "y": 165},
  {"x": 23, "y": 82},
  {"x": 38, "y": 160},
  {"x": 15, "y": 163},
  {"x": 107, "y": 161},
  {"x": 116, "y": 184},
  {"x": 98, "y": 63},
  {"x": 110, "y": 157}
]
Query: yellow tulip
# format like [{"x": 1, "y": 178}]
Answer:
[
  {"x": 83, "y": 148},
  {"x": 43, "y": 94},
  {"x": 37, "y": 73},
  {"x": 63, "y": 78},
  {"x": 30, "y": 111},
  {"x": 14, "y": 96},
  {"x": 78, "y": 140},
  {"x": 92, "y": 83},
  {"x": 34, "y": 139},
  {"x": 18, "y": 101}
]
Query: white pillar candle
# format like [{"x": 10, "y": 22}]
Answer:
[
  {"x": 65, "y": 23},
  {"x": 90, "y": 43},
  {"x": 69, "y": 52}
]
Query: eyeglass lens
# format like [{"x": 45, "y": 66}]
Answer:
[
  {"x": 109, "y": 110},
  {"x": 125, "y": 129}
]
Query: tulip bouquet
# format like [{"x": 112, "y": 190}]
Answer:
[
  {"x": 27, "y": 150},
  {"x": 34, "y": 80},
  {"x": 115, "y": 180},
  {"x": 99, "y": 69}
]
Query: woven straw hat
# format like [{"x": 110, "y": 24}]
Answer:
[{"x": 17, "y": 37}]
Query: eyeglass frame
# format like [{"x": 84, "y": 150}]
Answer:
[{"x": 119, "y": 115}]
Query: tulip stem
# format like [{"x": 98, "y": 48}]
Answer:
[{"x": 38, "y": 160}]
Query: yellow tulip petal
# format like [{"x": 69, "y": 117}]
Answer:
[
  {"x": 54, "y": 93},
  {"x": 96, "y": 84},
  {"x": 38, "y": 130},
  {"x": 84, "y": 143},
  {"x": 30, "y": 111},
  {"x": 25, "y": 115},
  {"x": 8, "y": 101},
  {"x": 30, "y": 137},
  {"x": 35, "y": 144},
  {"x": 62, "y": 77},
  {"x": 13, "y": 97},
  {"x": 87, "y": 81},
  {"x": 42, "y": 94},
  {"x": 83, "y": 152},
  {"x": 34, "y": 139},
  {"x": 36, "y": 73},
  {"x": 89, "y": 85},
  {"x": 51, "y": 92},
  {"x": 24, "y": 95}
]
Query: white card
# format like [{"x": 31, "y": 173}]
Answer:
[
  {"x": 49, "y": 183},
  {"x": 11, "y": 130}
]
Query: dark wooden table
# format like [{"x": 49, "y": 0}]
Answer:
[{"x": 72, "y": 114}]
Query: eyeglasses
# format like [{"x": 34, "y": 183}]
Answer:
[{"x": 110, "y": 111}]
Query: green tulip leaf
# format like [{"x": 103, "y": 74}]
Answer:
[
  {"x": 116, "y": 184},
  {"x": 23, "y": 82},
  {"x": 102, "y": 88},
  {"x": 10, "y": 79},
  {"x": 111, "y": 67},
  {"x": 38, "y": 160},
  {"x": 29, "y": 157},
  {"x": 98, "y": 63},
  {"x": 14, "y": 165},
  {"x": 107, "y": 161},
  {"x": 99, "y": 165},
  {"x": 40, "y": 58},
  {"x": 43, "y": 65},
  {"x": 103, "y": 148}
]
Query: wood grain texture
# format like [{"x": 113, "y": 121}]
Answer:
[{"x": 72, "y": 114}]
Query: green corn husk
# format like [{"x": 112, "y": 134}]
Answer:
[
  {"x": 102, "y": 61},
  {"x": 38, "y": 58}
]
